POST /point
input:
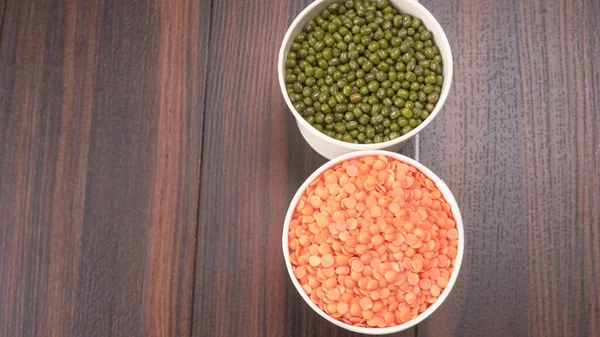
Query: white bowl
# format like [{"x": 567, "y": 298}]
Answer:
[
  {"x": 455, "y": 212},
  {"x": 329, "y": 147}
]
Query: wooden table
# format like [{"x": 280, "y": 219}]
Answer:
[{"x": 147, "y": 160}]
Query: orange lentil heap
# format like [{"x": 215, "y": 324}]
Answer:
[{"x": 373, "y": 242}]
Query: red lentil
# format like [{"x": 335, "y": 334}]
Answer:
[{"x": 373, "y": 242}]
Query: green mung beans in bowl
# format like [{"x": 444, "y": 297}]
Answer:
[{"x": 364, "y": 74}]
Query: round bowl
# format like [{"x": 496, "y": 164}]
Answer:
[
  {"x": 455, "y": 212},
  {"x": 329, "y": 147}
]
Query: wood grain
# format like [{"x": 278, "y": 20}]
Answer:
[
  {"x": 2, "y": 12},
  {"x": 517, "y": 142},
  {"x": 254, "y": 159},
  {"x": 561, "y": 156},
  {"x": 100, "y": 140}
]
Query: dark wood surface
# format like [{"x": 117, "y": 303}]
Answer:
[
  {"x": 101, "y": 114},
  {"x": 519, "y": 144},
  {"x": 147, "y": 160},
  {"x": 2, "y": 9}
]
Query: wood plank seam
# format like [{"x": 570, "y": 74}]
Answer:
[{"x": 205, "y": 89}]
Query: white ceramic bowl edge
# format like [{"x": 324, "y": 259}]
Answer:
[
  {"x": 331, "y": 148},
  {"x": 448, "y": 196}
]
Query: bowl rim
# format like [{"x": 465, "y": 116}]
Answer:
[
  {"x": 440, "y": 38},
  {"x": 446, "y": 193}
]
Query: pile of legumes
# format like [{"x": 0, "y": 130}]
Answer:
[
  {"x": 362, "y": 72},
  {"x": 373, "y": 242}
]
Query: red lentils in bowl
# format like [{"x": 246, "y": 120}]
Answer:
[{"x": 372, "y": 240}]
